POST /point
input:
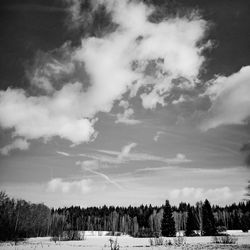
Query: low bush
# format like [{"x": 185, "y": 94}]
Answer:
[
  {"x": 110, "y": 233},
  {"x": 179, "y": 241},
  {"x": 244, "y": 226},
  {"x": 54, "y": 238},
  {"x": 68, "y": 235},
  {"x": 114, "y": 244},
  {"x": 118, "y": 233},
  {"x": 145, "y": 233},
  {"x": 225, "y": 239},
  {"x": 156, "y": 241},
  {"x": 17, "y": 240},
  {"x": 193, "y": 234},
  {"x": 168, "y": 243},
  {"x": 71, "y": 235},
  {"x": 221, "y": 229}
]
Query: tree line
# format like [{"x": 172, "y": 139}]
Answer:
[{"x": 22, "y": 219}]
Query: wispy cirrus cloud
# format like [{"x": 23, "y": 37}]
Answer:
[
  {"x": 107, "y": 158},
  {"x": 106, "y": 177},
  {"x": 63, "y": 153},
  {"x": 125, "y": 155},
  {"x": 92, "y": 166},
  {"x": 111, "y": 157}
]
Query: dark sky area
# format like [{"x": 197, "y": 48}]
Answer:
[{"x": 29, "y": 26}]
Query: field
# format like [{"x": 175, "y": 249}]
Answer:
[{"x": 94, "y": 242}]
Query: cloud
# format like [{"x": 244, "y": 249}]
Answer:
[
  {"x": 171, "y": 45},
  {"x": 52, "y": 70},
  {"x": 180, "y": 157},
  {"x": 63, "y": 153},
  {"x": 91, "y": 166},
  {"x": 104, "y": 159},
  {"x": 112, "y": 158},
  {"x": 108, "y": 157},
  {"x": 138, "y": 57},
  {"x": 149, "y": 157},
  {"x": 82, "y": 16},
  {"x": 46, "y": 116},
  {"x": 157, "y": 136},
  {"x": 125, "y": 155},
  {"x": 230, "y": 100},
  {"x": 126, "y": 150},
  {"x": 20, "y": 144},
  {"x": 140, "y": 53},
  {"x": 107, "y": 178},
  {"x": 58, "y": 184},
  {"x": 196, "y": 194},
  {"x": 74, "y": 11},
  {"x": 126, "y": 117},
  {"x": 149, "y": 169}
]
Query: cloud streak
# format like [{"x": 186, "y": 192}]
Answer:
[
  {"x": 63, "y": 153},
  {"x": 125, "y": 155},
  {"x": 108, "y": 179}
]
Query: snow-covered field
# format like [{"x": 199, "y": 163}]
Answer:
[{"x": 96, "y": 242}]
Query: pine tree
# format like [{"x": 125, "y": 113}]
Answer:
[
  {"x": 168, "y": 224},
  {"x": 209, "y": 227},
  {"x": 244, "y": 223},
  {"x": 191, "y": 223}
]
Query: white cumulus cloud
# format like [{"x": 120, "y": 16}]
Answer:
[
  {"x": 46, "y": 116},
  {"x": 230, "y": 100},
  {"x": 127, "y": 116},
  {"x": 195, "y": 194},
  {"x": 58, "y": 184},
  {"x": 19, "y": 143},
  {"x": 136, "y": 55}
]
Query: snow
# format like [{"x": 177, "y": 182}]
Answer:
[{"x": 93, "y": 241}]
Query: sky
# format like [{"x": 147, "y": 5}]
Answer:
[{"x": 124, "y": 102}]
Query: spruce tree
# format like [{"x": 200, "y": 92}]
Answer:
[
  {"x": 209, "y": 227},
  {"x": 191, "y": 223},
  {"x": 168, "y": 224}
]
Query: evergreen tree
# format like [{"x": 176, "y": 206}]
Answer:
[
  {"x": 209, "y": 227},
  {"x": 167, "y": 224},
  {"x": 191, "y": 223},
  {"x": 244, "y": 223}
]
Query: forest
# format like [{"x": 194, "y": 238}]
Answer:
[{"x": 21, "y": 219}]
